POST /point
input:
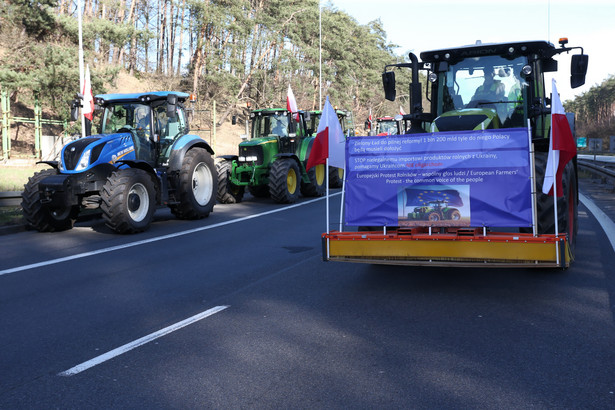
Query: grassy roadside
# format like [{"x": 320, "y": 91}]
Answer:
[{"x": 13, "y": 178}]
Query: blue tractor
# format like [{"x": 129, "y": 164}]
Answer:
[{"x": 143, "y": 157}]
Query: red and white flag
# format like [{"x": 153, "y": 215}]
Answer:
[
  {"x": 88, "y": 98},
  {"x": 401, "y": 110},
  {"x": 291, "y": 103},
  {"x": 562, "y": 147},
  {"x": 330, "y": 142}
]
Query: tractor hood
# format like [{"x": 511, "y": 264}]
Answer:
[
  {"x": 259, "y": 141},
  {"x": 85, "y": 153},
  {"x": 467, "y": 119}
]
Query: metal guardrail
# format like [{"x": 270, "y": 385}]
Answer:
[
  {"x": 11, "y": 198},
  {"x": 598, "y": 169}
]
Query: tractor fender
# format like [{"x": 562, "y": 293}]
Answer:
[
  {"x": 52, "y": 164},
  {"x": 135, "y": 163},
  {"x": 182, "y": 146},
  {"x": 306, "y": 148},
  {"x": 304, "y": 175}
]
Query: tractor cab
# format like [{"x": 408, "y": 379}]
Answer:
[
  {"x": 277, "y": 125},
  {"x": 485, "y": 86},
  {"x": 345, "y": 117},
  {"x": 153, "y": 122},
  {"x": 388, "y": 126}
]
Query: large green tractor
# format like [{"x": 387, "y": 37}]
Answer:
[
  {"x": 435, "y": 211},
  {"x": 272, "y": 161},
  {"x": 336, "y": 175}
]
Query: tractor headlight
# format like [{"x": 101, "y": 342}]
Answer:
[
  {"x": 252, "y": 158},
  {"x": 85, "y": 161},
  {"x": 241, "y": 159}
]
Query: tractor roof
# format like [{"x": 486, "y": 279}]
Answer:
[
  {"x": 138, "y": 97},
  {"x": 515, "y": 49},
  {"x": 270, "y": 110},
  {"x": 338, "y": 112}
]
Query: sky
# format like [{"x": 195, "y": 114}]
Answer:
[{"x": 429, "y": 25}]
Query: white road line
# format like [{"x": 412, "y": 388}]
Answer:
[
  {"x": 603, "y": 219},
  {"x": 150, "y": 240},
  {"x": 139, "y": 342}
]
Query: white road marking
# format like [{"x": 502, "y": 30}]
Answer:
[
  {"x": 608, "y": 226},
  {"x": 150, "y": 240},
  {"x": 139, "y": 342}
]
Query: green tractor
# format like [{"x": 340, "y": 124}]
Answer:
[
  {"x": 272, "y": 161},
  {"x": 435, "y": 211},
  {"x": 336, "y": 175}
]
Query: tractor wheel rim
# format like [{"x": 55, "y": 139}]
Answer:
[
  {"x": 320, "y": 174},
  {"x": 291, "y": 181},
  {"x": 138, "y": 202},
  {"x": 202, "y": 181}
]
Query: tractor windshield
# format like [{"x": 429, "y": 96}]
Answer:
[
  {"x": 127, "y": 115},
  {"x": 491, "y": 82},
  {"x": 275, "y": 124},
  {"x": 388, "y": 127}
]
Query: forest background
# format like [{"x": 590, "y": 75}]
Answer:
[{"x": 229, "y": 51}]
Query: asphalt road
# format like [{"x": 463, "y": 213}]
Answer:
[{"x": 80, "y": 311}]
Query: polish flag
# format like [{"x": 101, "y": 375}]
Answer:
[
  {"x": 562, "y": 147},
  {"x": 291, "y": 103},
  {"x": 88, "y": 98},
  {"x": 330, "y": 142},
  {"x": 401, "y": 110}
]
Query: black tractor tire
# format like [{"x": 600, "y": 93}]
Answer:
[
  {"x": 318, "y": 184},
  {"x": 40, "y": 216},
  {"x": 197, "y": 185},
  {"x": 284, "y": 177},
  {"x": 433, "y": 217},
  {"x": 567, "y": 206},
  {"x": 454, "y": 214},
  {"x": 228, "y": 193},
  {"x": 259, "y": 191},
  {"x": 336, "y": 177},
  {"x": 128, "y": 200}
]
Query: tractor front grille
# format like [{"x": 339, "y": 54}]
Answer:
[
  {"x": 252, "y": 151},
  {"x": 73, "y": 151}
]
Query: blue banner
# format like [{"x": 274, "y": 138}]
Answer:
[{"x": 462, "y": 178}]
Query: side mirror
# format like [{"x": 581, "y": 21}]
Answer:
[
  {"x": 74, "y": 112},
  {"x": 171, "y": 105},
  {"x": 388, "y": 82},
  {"x": 578, "y": 70}
]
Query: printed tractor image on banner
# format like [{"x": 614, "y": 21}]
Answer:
[
  {"x": 439, "y": 205},
  {"x": 457, "y": 178}
]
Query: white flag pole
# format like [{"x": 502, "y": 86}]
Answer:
[
  {"x": 327, "y": 201},
  {"x": 554, "y": 171},
  {"x": 81, "y": 73},
  {"x": 327, "y": 185},
  {"x": 532, "y": 179},
  {"x": 343, "y": 193}
]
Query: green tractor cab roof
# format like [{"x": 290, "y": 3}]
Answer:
[
  {"x": 103, "y": 99},
  {"x": 270, "y": 111}
]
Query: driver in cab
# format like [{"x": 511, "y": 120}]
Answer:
[{"x": 492, "y": 90}]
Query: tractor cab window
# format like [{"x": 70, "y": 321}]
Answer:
[
  {"x": 279, "y": 125},
  {"x": 485, "y": 83},
  {"x": 387, "y": 127},
  {"x": 132, "y": 117},
  {"x": 270, "y": 125}
]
